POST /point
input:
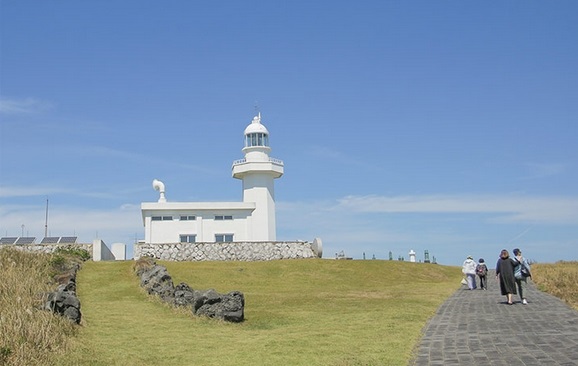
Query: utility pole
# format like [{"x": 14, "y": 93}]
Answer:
[{"x": 46, "y": 221}]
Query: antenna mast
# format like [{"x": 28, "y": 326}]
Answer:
[{"x": 46, "y": 221}]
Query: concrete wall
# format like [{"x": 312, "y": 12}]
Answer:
[
  {"x": 100, "y": 251},
  {"x": 119, "y": 251},
  {"x": 235, "y": 251}
]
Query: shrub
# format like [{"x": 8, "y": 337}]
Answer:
[
  {"x": 142, "y": 264},
  {"x": 74, "y": 251}
]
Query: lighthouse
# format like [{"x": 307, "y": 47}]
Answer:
[
  {"x": 252, "y": 220},
  {"x": 258, "y": 171}
]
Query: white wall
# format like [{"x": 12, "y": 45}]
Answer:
[
  {"x": 204, "y": 226},
  {"x": 100, "y": 251},
  {"x": 119, "y": 251}
]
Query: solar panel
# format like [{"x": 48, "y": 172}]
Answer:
[
  {"x": 67, "y": 240},
  {"x": 8, "y": 240},
  {"x": 50, "y": 240},
  {"x": 25, "y": 240}
]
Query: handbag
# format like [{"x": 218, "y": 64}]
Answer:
[
  {"x": 525, "y": 271},
  {"x": 518, "y": 271}
]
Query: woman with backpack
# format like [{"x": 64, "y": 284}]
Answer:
[
  {"x": 482, "y": 272},
  {"x": 521, "y": 273}
]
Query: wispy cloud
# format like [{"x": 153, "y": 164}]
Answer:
[
  {"x": 22, "y": 192},
  {"x": 95, "y": 151},
  {"x": 540, "y": 170},
  {"x": 327, "y": 153},
  {"x": 513, "y": 208},
  {"x": 353, "y": 223},
  {"x": 23, "y": 106},
  {"x": 117, "y": 224},
  {"x": 446, "y": 225},
  {"x": 7, "y": 192}
]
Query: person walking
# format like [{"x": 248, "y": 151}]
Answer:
[
  {"x": 469, "y": 269},
  {"x": 521, "y": 274},
  {"x": 482, "y": 272},
  {"x": 505, "y": 273}
]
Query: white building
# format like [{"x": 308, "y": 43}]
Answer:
[{"x": 253, "y": 219}]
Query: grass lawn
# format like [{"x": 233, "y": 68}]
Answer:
[{"x": 298, "y": 312}]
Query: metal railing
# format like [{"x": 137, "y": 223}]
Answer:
[{"x": 271, "y": 160}]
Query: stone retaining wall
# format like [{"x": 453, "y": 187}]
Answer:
[
  {"x": 235, "y": 251},
  {"x": 50, "y": 248}
]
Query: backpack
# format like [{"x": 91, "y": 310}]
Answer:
[
  {"x": 481, "y": 270},
  {"x": 521, "y": 271}
]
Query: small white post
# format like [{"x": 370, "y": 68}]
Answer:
[{"x": 412, "y": 256}]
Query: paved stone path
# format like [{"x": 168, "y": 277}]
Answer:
[{"x": 478, "y": 328}]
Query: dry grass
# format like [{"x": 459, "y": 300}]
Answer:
[
  {"x": 559, "y": 279},
  {"x": 28, "y": 335}
]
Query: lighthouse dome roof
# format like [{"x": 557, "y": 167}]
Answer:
[{"x": 255, "y": 126}]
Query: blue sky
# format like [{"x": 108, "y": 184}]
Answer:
[{"x": 444, "y": 126}]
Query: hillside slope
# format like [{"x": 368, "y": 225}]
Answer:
[{"x": 298, "y": 312}]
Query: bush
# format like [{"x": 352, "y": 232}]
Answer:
[
  {"x": 71, "y": 250},
  {"x": 142, "y": 264}
]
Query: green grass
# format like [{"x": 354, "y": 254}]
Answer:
[{"x": 298, "y": 312}]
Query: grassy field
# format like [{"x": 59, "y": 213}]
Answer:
[
  {"x": 299, "y": 312},
  {"x": 559, "y": 279},
  {"x": 28, "y": 335}
]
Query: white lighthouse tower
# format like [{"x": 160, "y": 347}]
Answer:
[{"x": 257, "y": 171}]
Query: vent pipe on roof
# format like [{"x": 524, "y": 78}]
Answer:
[{"x": 160, "y": 186}]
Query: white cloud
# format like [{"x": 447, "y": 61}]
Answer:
[
  {"x": 14, "y": 192},
  {"x": 537, "y": 170},
  {"x": 327, "y": 153},
  {"x": 103, "y": 152},
  {"x": 6, "y": 192},
  {"x": 514, "y": 208},
  {"x": 478, "y": 224},
  {"x": 449, "y": 226},
  {"x": 23, "y": 106},
  {"x": 119, "y": 224}
]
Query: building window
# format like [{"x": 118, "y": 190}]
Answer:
[
  {"x": 188, "y": 238},
  {"x": 223, "y": 238},
  {"x": 188, "y": 218},
  {"x": 223, "y": 217},
  {"x": 256, "y": 139},
  {"x": 162, "y": 218}
]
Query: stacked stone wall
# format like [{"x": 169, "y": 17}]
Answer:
[
  {"x": 50, "y": 248},
  {"x": 235, "y": 251}
]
